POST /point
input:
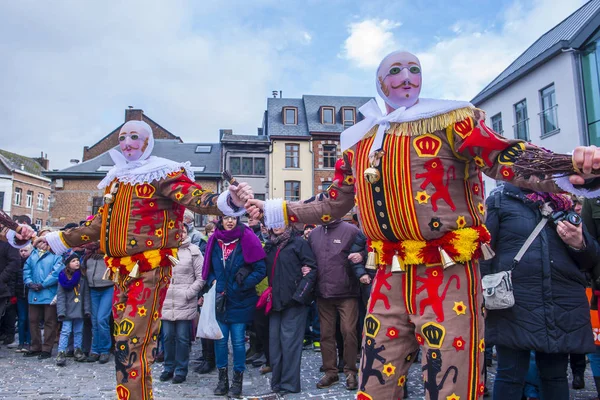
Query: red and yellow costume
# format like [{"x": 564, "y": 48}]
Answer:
[{"x": 428, "y": 201}]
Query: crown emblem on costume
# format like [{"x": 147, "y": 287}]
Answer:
[
  {"x": 434, "y": 334},
  {"x": 427, "y": 145},
  {"x": 144, "y": 191},
  {"x": 372, "y": 326}
]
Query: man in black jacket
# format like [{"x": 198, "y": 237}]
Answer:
[{"x": 9, "y": 267}]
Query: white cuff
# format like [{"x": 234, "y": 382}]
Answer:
[
  {"x": 11, "y": 239},
  {"x": 275, "y": 214},
  {"x": 224, "y": 207},
  {"x": 565, "y": 184},
  {"x": 56, "y": 243}
]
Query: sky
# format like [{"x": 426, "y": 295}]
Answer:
[{"x": 69, "y": 69}]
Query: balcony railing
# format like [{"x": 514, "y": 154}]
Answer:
[
  {"x": 521, "y": 129},
  {"x": 549, "y": 120}
]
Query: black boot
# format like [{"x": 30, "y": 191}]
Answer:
[
  {"x": 208, "y": 364},
  {"x": 223, "y": 385},
  {"x": 236, "y": 386},
  {"x": 578, "y": 382}
]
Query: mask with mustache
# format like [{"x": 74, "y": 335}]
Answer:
[
  {"x": 399, "y": 80},
  {"x": 136, "y": 140}
]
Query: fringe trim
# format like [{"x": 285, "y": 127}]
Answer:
[
  {"x": 146, "y": 260},
  {"x": 427, "y": 125}
]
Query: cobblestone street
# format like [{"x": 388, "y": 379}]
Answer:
[{"x": 30, "y": 378}]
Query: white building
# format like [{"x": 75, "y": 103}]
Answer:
[{"x": 550, "y": 95}]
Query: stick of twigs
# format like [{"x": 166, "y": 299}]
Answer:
[
  {"x": 7, "y": 221},
  {"x": 540, "y": 162}
]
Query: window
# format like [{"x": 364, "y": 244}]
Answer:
[
  {"x": 349, "y": 116},
  {"x": 292, "y": 190},
  {"x": 329, "y": 155},
  {"x": 522, "y": 126},
  {"x": 246, "y": 166},
  {"x": 40, "y": 202},
  {"x": 1, "y": 200},
  {"x": 292, "y": 155},
  {"x": 203, "y": 148},
  {"x": 234, "y": 165},
  {"x": 29, "y": 199},
  {"x": 259, "y": 166},
  {"x": 548, "y": 116},
  {"x": 325, "y": 185},
  {"x": 497, "y": 124},
  {"x": 328, "y": 115},
  {"x": 201, "y": 219},
  {"x": 38, "y": 223},
  {"x": 97, "y": 203},
  {"x": 260, "y": 196},
  {"x": 290, "y": 116},
  {"x": 18, "y": 196}
]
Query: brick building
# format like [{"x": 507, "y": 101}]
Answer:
[
  {"x": 24, "y": 191},
  {"x": 111, "y": 140},
  {"x": 75, "y": 193}
]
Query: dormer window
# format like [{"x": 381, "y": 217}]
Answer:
[
  {"x": 290, "y": 116},
  {"x": 348, "y": 116},
  {"x": 328, "y": 115}
]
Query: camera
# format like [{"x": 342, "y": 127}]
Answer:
[{"x": 568, "y": 216}]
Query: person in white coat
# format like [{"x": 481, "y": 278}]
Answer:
[{"x": 179, "y": 309}]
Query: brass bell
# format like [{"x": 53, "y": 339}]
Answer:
[
  {"x": 487, "y": 252},
  {"x": 397, "y": 264},
  {"x": 107, "y": 275},
  {"x": 116, "y": 276},
  {"x": 447, "y": 261},
  {"x": 108, "y": 198},
  {"x": 135, "y": 271},
  {"x": 371, "y": 264},
  {"x": 174, "y": 260},
  {"x": 372, "y": 175}
]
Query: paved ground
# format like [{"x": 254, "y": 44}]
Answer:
[{"x": 26, "y": 378}]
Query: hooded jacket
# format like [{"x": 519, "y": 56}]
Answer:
[
  {"x": 42, "y": 269},
  {"x": 331, "y": 244},
  {"x": 186, "y": 283},
  {"x": 551, "y": 312}
]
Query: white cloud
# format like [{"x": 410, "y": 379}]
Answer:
[
  {"x": 71, "y": 68},
  {"x": 369, "y": 41},
  {"x": 307, "y": 37},
  {"x": 459, "y": 66}
]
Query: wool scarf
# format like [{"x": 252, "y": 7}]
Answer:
[
  {"x": 251, "y": 247},
  {"x": 557, "y": 201},
  {"x": 66, "y": 283}
]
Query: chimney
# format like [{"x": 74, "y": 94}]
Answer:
[
  {"x": 133, "y": 114},
  {"x": 260, "y": 131},
  {"x": 224, "y": 132}
]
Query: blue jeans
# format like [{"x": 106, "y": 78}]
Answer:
[
  {"x": 23, "y": 318},
  {"x": 513, "y": 366},
  {"x": 176, "y": 336},
  {"x": 237, "y": 332},
  {"x": 101, "y": 308},
  {"x": 312, "y": 319},
  {"x": 75, "y": 325},
  {"x": 595, "y": 361}
]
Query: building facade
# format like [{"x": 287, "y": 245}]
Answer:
[
  {"x": 247, "y": 158},
  {"x": 304, "y": 135},
  {"x": 550, "y": 95},
  {"x": 24, "y": 190}
]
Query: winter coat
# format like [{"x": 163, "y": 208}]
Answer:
[
  {"x": 20, "y": 289},
  {"x": 42, "y": 269},
  {"x": 194, "y": 235},
  {"x": 289, "y": 287},
  {"x": 241, "y": 301},
  {"x": 551, "y": 312},
  {"x": 203, "y": 244},
  {"x": 94, "y": 271},
  {"x": 360, "y": 246},
  {"x": 590, "y": 212},
  {"x": 66, "y": 306},
  {"x": 181, "y": 301},
  {"x": 10, "y": 263},
  {"x": 331, "y": 244}
]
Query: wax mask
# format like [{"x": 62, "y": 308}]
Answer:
[
  {"x": 135, "y": 140},
  {"x": 399, "y": 80}
]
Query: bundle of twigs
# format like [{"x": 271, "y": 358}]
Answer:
[
  {"x": 536, "y": 161},
  {"x": 7, "y": 221}
]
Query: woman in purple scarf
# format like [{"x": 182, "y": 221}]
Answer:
[{"x": 234, "y": 262}]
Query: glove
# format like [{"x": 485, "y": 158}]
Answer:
[
  {"x": 242, "y": 274},
  {"x": 13, "y": 300}
]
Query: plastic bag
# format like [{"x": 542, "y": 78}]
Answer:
[{"x": 208, "y": 327}]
